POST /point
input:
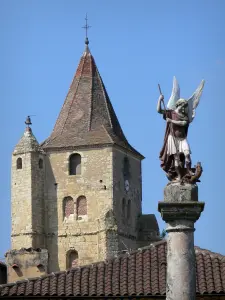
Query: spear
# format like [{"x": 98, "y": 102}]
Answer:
[{"x": 162, "y": 100}]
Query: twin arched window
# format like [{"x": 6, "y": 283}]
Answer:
[
  {"x": 69, "y": 206},
  {"x": 72, "y": 259},
  {"x": 75, "y": 164}
]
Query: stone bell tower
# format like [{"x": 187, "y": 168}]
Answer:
[
  {"x": 93, "y": 182},
  {"x": 27, "y": 209}
]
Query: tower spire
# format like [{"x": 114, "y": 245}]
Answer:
[{"x": 86, "y": 27}]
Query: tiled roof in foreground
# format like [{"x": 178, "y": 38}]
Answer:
[{"x": 142, "y": 272}]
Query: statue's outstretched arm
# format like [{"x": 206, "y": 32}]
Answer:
[{"x": 159, "y": 107}]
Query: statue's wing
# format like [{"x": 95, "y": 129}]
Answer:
[
  {"x": 175, "y": 94},
  {"x": 194, "y": 101}
]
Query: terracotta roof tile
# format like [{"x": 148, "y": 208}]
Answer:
[
  {"x": 146, "y": 272},
  {"x": 69, "y": 286},
  {"x": 142, "y": 272},
  {"x": 132, "y": 275},
  {"x": 29, "y": 288},
  {"x": 87, "y": 116},
  {"x": 21, "y": 289},
  {"x": 77, "y": 282},
  {"x": 45, "y": 287}
]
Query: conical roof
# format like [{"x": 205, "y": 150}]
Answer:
[
  {"x": 27, "y": 143},
  {"x": 87, "y": 116}
]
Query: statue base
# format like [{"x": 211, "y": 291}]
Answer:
[
  {"x": 180, "y": 202},
  {"x": 186, "y": 176}
]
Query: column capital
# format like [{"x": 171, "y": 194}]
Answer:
[
  {"x": 180, "y": 203},
  {"x": 180, "y": 211}
]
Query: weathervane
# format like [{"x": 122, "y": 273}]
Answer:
[
  {"x": 28, "y": 121},
  {"x": 86, "y": 27}
]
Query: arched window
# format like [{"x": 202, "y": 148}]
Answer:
[
  {"x": 81, "y": 206},
  {"x": 40, "y": 163},
  {"x": 123, "y": 207},
  {"x": 72, "y": 259},
  {"x": 128, "y": 209},
  {"x": 19, "y": 163},
  {"x": 75, "y": 164},
  {"x": 68, "y": 207},
  {"x": 126, "y": 167}
]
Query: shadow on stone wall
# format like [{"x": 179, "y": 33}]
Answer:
[{"x": 51, "y": 217}]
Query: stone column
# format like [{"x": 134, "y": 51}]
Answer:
[{"x": 180, "y": 210}]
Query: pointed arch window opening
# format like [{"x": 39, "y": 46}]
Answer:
[
  {"x": 75, "y": 164},
  {"x": 19, "y": 163},
  {"x": 71, "y": 259}
]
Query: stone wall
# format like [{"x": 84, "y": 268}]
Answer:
[
  {"x": 95, "y": 182},
  {"x": 40, "y": 195},
  {"x": 27, "y": 196},
  {"x": 26, "y": 263},
  {"x": 127, "y": 226}
]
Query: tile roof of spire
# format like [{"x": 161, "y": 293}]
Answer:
[{"x": 87, "y": 117}]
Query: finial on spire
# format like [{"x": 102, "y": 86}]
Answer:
[
  {"x": 28, "y": 121},
  {"x": 86, "y": 27}
]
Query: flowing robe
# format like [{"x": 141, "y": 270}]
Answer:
[{"x": 175, "y": 141}]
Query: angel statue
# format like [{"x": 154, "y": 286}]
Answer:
[{"x": 175, "y": 153}]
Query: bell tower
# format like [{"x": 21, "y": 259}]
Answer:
[
  {"x": 93, "y": 178},
  {"x": 27, "y": 209}
]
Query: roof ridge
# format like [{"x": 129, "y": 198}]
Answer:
[
  {"x": 104, "y": 95},
  {"x": 107, "y": 133},
  {"x": 91, "y": 106},
  {"x": 48, "y": 139},
  {"x": 203, "y": 250},
  {"x": 79, "y": 78}
]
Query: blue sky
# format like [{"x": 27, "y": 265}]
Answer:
[{"x": 136, "y": 45}]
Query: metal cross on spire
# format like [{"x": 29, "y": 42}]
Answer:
[{"x": 86, "y": 27}]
